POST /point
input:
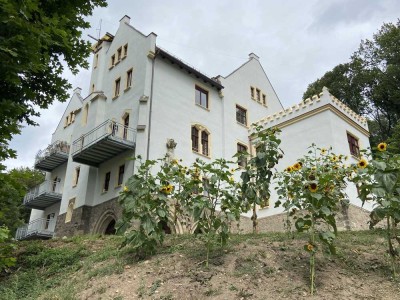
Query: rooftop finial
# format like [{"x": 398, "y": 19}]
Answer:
[{"x": 252, "y": 55}]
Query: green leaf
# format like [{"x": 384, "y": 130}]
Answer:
[
  {"x": 380, "y": 165},
  {"x": 387, "y": 180}
]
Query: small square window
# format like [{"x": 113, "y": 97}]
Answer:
[
  {"x": 106, "y": 182},
  {"x": 117, "y": 87},
  {"x": 201, "y": 96},
  {"x": 241, "y": 115},
  {"x": 353, "y": 145}
]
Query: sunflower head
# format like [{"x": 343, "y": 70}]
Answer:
[
  {"x": 313, "y": 187},
  {"x": 126, "y": 189},
  {"x": 334, "y": 158},
  {"x": 323, "y": 151},
  {"x": 289, "y": 169},
  {"x": 310, "y": 247},
  {"x": 296, "y": 166},
  {"x": 382, "y": 147},
  {"x": 362, "y": 163}
]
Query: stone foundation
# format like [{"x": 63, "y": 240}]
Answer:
[
  {"x": 88, "y": 219},
  {"x": 92, "y": 220},
  {"x": 354, "y": 218}
]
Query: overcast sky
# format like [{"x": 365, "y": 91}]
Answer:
[{"x": 297, "y": 42}]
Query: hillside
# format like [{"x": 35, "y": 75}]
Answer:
[{"x": 266, "y": 266}]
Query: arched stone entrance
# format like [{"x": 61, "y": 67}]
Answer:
[{"x": 106, "y": 223}]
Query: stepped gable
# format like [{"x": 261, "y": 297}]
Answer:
[{"x": 311, "y": 106}]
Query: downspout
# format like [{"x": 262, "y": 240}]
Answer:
[{"x": 151, "y": 107}]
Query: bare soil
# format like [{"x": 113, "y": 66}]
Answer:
[{"x": 263, "y": 267}]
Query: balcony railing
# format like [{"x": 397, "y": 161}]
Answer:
[
  {"x": 54, "y": 155},
  {"x": 39, "y": 229},
  {"x": 43, "y": 195},
  {"x": 103, "y": 143}
]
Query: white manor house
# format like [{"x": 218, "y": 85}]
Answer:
[{"x": 141, "y": 97}]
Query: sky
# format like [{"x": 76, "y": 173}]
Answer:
[{"x": 297, "y": 42}]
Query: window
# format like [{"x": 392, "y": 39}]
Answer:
[
  {"x": 353, "y": 145},
  {"x": 242, "y": 162},
  {"x": 70, "y": 209},
  {"x": 201, "y": 97},
  {"x": 258, "y": 95},
  {"x": 204, "y": 143},
  {"x": 264, "y": 98},
  {"x": 129, "y": 78},
  {"x": 92, "y": 88},
  {"x": 126, "y": 126},
  {"x": 241, "y": 115},
  {"x": 125, "y": 50},
  {"x": 200, "y": 140},
  {"x": 119, "y": 54},
  {"x": 252, "y": 92},
  {"x": 112, "y": 60},
  {"x": 76, "y": 177},
  {"x": 107, "y": 182},
  {"x": 117, "y": 86},
  {"x": 49, "y": 218},
  {"x": 195, "y": 139},
  {"x": 121, "y": 171}
]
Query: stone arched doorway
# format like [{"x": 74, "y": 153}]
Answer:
[{"x": 106, "y": 223}]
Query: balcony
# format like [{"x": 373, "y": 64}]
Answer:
[
  {"x": 43, "y": 195},
  {"x": 103, "y": 143},
  {"x": 37, "y": 229},
  {"x": 54, "y": 155}
]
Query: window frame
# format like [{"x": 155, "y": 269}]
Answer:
[
  {"x": 252, "y": 92},
  {"x": 258, "y": 95},
  {"x": 117, "y": 87},
  {"x": 243, "y": 110},
  {"x": 201, "y": 92},
  {"x": 205, "y": 143},
  {"x": 125, "y": 54},
  {"x": 106, "y": 183},
  {"x": 120, "y": 177},
  {"x": 129, "y": 76},
  {"x": 241, "y": 164},
  {"x": 119, "y": 54},
  {"x": 353, "y": 146},
  {"x": 112, "y": 63},
  {"x": 76, "y": 176},
  {"x": 201, "y": 140},
  {"x": 195, "y": 138},
  {"x": 264, "y": 99}
]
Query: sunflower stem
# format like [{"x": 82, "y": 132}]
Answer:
[
  {"x": 391, "y": 250},
  {"x": 312, "y": 257}
]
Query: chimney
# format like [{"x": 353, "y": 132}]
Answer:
[
  {"x": 125, "y": 19},
  {"x": 252, "y": 55}
]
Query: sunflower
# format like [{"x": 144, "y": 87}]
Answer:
[
  {"x": 311, "y": 176},
  {"x": 382, "y": 147},
  {"x": 174, "y": 161},
  {"x": 323, "y": 151},
  {"x": 310, "y": 247},
  {"x": 334, "y": 158},
  {"x": 289, "y": 169},
  {"x": 126, "y": 189},
  {"x": 362, "y": 163},
  {"x": 296, "y": 166},
  {"x": 313, "y": 187}
]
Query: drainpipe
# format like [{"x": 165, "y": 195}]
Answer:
[{"x": 151, "y": 107}]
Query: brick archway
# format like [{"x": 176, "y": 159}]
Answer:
[{"x": 105, "y": 223}]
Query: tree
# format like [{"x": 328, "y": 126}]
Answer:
[
  {"x": 370, "y": 83},
  {"x": 13, "y": 186},
  {"x": 38, "y": 38}
]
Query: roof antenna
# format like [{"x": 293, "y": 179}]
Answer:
[{"x": 98, "y": 34}]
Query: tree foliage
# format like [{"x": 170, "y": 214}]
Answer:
[
  {"x": 13, "y": 187},
  {"x": 370, "y": 83},
  {"x": 38, "y": 39}
]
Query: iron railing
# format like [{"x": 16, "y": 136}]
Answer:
[
  {"x": 40, "y": 227},
  {"x": 48, "y": 186},
  {"x": 57, "y": 147},
  {"x": 109, "y": 129}
]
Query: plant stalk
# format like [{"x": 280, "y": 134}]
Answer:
[{"x": 391, "y": 250}]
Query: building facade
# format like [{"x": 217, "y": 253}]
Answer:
[{"x": 141, "y": 98}]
